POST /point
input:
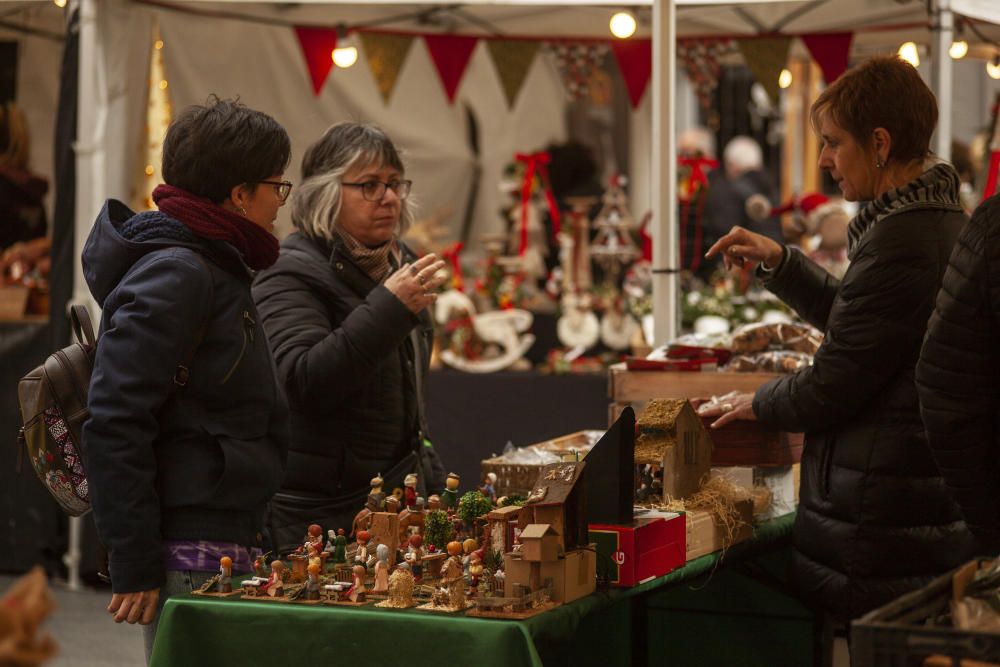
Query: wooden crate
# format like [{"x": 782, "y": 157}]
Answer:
[{"x": 748, "y": 443}]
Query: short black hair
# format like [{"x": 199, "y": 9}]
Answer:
[{"x": 210, "y": 149}]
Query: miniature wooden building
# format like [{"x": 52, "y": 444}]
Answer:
[
  {"x": 385, "y": 530},
  {"x": 558, "y": 500},
  {"x": 672, "y": 436},
  {"x": 503, "y": 527},
  {"x": 539, "y": 543}
]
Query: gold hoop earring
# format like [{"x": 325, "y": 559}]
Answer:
[{"x": 243, "y": 211}]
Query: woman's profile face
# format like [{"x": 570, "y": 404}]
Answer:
[
  {"x": 850, "y": 165},
  {"x": 263, "y": 204},
  {"x": 370, "y": 222}
]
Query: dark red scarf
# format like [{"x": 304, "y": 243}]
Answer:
[{"x": 258, "y": 247}]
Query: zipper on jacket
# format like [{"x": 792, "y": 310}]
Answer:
[{"x": 248, "y": 338}]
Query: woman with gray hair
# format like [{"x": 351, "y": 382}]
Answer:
[{"x": 345, "y": 310}]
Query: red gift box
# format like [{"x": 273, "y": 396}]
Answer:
[{"x": 650, "y": 547}]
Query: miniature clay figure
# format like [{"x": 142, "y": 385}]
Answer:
[
  {"x": 312, "y": 582},
  {"x": 392, "y": 504},
  {"x": 451, "y": 593},
  {"x": 260, "y": 566},
  {"x": 361, "y": 555},
  {"x": 357, "y": 590},
  {"x": 225, "y": 583},
  {"x": 449, "y": 497},
  {"x": 376, "y": 493},
  {"x": 363, "y": 519},
  {"x": 339, "y": 548},
  {"x": 468, "y": 546},
  {"x": 433, "y": 502},
  {"x": 488, "y": 488},
  {"x": 381, "y": 569},
  {"x": 331, "y": 538},
  {"x": 313, "y": 538},
  {"x": 410, "y": 490},
  {"x": 475, "y": 571},
  {"x": 415, "y": 554},
  {"x": 275, "y": 586}
]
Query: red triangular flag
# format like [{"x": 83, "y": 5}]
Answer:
[
  {"x": 635, "y": 61},
  {"x": 317, "y": 47},
  {"x": 831, "y": 51},
  {"x": 450, "y": 54}
]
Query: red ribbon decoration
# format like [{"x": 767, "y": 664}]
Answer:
[
  {"x": 451, "y": 254},
  {"x": 536, "y": 162},
  {"x": 697, "y": 181}
]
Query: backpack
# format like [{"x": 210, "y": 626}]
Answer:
[{"x": 53, "y": 400}]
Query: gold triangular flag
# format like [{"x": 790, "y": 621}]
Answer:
[
  {"x": 386, "y": 54},
  {"x": 512, "y": 58},
  {"x": 766, "y": 57}
]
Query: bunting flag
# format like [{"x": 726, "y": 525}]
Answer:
[
  {"x": 635, "y": 60},
  {"x": 317, "y": 48},
  {"x": 451, "y": 54},
  {"x": 830, "y": 50},
  {"x": 577, "y": 63},
  {"x": 385, "y": 54},
  {"x": 512, "y": 59},
  {"x": 766, "y": 57},
  {"x": 701, "y": 62}
]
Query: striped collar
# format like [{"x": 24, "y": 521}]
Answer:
[{"x": 936, "y": 188}]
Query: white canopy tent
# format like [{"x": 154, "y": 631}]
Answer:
[{"x": 261, "y": 62}]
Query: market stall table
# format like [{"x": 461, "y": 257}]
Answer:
[{"x": 619, "y": 626}]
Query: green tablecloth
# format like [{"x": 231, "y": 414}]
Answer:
[{"x": 220, "y": 632}]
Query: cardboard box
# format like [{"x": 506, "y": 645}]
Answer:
[
  {"x": 573, "y": 577},
  {"x": 780, "y": 481},
  {"x": 651, "y": 547},
  {"x": 704, "y": 535}
]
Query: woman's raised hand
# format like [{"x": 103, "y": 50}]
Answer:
[
  {"x": 416, "y": 284},
  {"x": 740, "y": 246}
]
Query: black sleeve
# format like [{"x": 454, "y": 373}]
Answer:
[
  {"x": 320, "y": 361},
  {"x": 163, "y": 305},
  {"x": 805, "y": 286},
  {"x": 872, "y": 335},
  {"x": 957, "y": 376}
]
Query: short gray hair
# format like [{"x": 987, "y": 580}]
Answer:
[
  {"x": 742, "y": 154},
  {"x": 316, "y": 202}
]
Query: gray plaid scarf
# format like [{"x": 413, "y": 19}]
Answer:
[
  {"x": 936, "y": 188},
  {"x": 373, "y": 261}
]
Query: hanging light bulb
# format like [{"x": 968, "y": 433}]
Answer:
[
  {"x": 908, "y": 52},
  {"x": 784, "y": 79},
  {"x": 958, "y": 49},
  {"x": 622, "y": 25},
  {"x": 345, "y": 56},
  {"x": 60, "y": 3},
  {"x": 993, "y": 67}
]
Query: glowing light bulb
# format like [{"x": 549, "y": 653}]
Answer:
[
  {"x": 60, "y": 3},
  {"x": 158, "y": 44},
  {"x": 622, "y": 25},
  {"x": 784, "y": 79},
  {"x": 344, "y": 57},
  {"x": 958, "y": 49},
  {"x": 908, "y": 52},
  {"x": 993, "y": 67},
  {"x": 163, "y": 84},
  {"x": 149, "y": 170}
]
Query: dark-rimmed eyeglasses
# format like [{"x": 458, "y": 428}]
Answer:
[
  {"x": 375, "y": 190},
  {"x": 283, "y": 188}
]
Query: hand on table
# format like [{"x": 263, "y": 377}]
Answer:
[{"x": 138, "y": 607}]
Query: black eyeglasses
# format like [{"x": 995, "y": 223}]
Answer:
[
  {"x": 375, "y": 190},
  {"x": 283, "y": 188}
]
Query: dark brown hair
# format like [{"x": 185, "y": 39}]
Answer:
[{"x": 886, "y": 92}]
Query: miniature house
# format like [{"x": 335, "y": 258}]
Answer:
[
  {"x": 557, "y": 499},
  {"x": 672, "y": 436},
  {"x": 503, "y": 528},
  {"x": 539, "y": 543},
  {"x": 385, "y": 530}
]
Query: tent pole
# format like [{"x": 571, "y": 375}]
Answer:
[
  {"x": 942, "y": 34},
  {"x": 666, "y": 291}
]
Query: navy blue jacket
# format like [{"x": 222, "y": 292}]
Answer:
[{"x": 198, "y": 462}]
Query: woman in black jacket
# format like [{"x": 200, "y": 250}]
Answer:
[
  {"x": 874, "y": 518},
  {"x": 187, "y": 434},
  {"x": 345, "y": 308},
  {"x": 957, "y": 376}
]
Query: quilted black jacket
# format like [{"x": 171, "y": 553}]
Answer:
[
  {"x": 958, "y": 371},
  {"x": 875, "y": 519}
]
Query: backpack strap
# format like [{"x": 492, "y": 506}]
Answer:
[{"x": 83, "y": 329}]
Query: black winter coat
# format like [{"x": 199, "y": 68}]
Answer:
[
  {"x": 194, "y": 463},
  {"x": 346, "y": 359},
  {"x": 958, "y": 371},
  {"x": 875, "y": 519}
]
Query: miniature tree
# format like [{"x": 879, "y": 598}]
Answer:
[
  {"x": 438, "y": 530},
  {"x": 512, "y": 499},
  {"x": 472, "y": 506}
]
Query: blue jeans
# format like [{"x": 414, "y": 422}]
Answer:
[{"x": 177, "y": 583}]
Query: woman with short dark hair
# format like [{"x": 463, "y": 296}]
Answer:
[
  {"x": 345, "y": 308},
  {"x": 186, "y": 440},
  {"x": 874, "y": 520}
]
